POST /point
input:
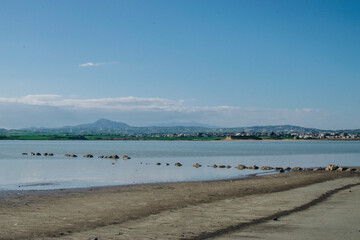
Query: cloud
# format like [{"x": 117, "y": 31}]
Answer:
[
  {"x": 44, "y": 110},
  {"x": 92, "y": 64}
]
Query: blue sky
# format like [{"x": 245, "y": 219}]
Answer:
[{"x": 224, "y": 63}]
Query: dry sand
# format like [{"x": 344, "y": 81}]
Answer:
[{"x": 193, "y": 210}]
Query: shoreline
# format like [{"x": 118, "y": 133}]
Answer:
[{"x": 76, "y": 213}]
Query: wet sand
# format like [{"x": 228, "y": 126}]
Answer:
[{"x": 191, "y": 210}]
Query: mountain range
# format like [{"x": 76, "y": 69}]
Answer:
[{"x": 105, "y": 126}]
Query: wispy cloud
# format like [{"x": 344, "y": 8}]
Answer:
[
  {"x": 90, "y": 64},
  {"x": 95, "y": 64},
  {"x": 143, "y": 111}
]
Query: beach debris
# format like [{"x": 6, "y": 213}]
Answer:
[
  {"x": 88, "y": 156},
  {"x": 178, "y": 164},
  {"x": 241, "y": 167},
  {"x": 331, "y": 167},
  {"x": 254, "y": 167},
  {"x": 266, "y": 168},
  {"x": 196, "y": 165},
  {"x": 296, "y": 168},
  {"x": 125, "y": 157}
]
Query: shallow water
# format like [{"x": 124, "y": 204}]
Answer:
[{"x": 44, "y": 172}]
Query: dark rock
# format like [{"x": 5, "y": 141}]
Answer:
[
  {"x": 318, "y": 169},
  {"x": 240, "y": 167},
  {"x": 266, "y": 168},
  {"x": 178, "y": 164},
  {"x": 254, "y": 167},
  {"x": 196, "y": 165}
]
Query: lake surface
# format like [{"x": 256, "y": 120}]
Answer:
[{"x": 26, "y": 172}]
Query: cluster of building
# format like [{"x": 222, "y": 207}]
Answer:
[{"x": 259, "y": 135}]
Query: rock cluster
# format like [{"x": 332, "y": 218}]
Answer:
[
  {"x": 38, "y": 154},
  {"x": 71, "y": 155},
  {"x": 111, "y": 156},
  {"x": 254, "y": 167},
  {"x": 331, "y": 167}
]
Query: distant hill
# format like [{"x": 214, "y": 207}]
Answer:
[
  {"x": 98, "y": 126},
  {"x": 184, "y": 124},
  {"x": 278, "y": 129},
  {"x": 105, "y": 126}
]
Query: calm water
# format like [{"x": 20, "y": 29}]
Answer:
[{"x": 41, "y": 172}]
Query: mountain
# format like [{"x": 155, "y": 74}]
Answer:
[
  {"x": 104, "y": 126},
  {"x": 101, "y": 125}
]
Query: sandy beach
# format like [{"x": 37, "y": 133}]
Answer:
[{"x": 231, "y": 209}]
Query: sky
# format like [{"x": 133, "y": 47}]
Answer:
[{"x": 223, "y": 63}]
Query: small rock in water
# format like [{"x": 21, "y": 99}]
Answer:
[
  {"x": 240, "y": 167},
  {"x": 178, "y": 164},
  {"x": 158, "y": 164},
  {"x": 196, "y": 165}
]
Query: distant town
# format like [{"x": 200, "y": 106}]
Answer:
[{"x": 104, "y": 129}]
